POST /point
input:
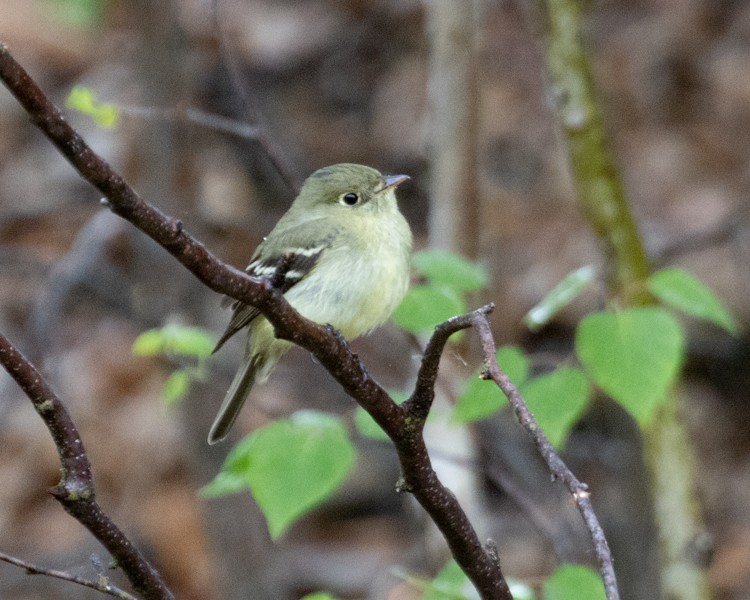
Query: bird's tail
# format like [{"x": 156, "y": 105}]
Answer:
[{"x": 233, "y": 401}]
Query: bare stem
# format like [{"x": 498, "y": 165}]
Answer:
[
  {"x": 479, "y": 562},
  {"x": 102, "y": 585},
  {"x": 420, "y": 402},
  {"x": 194, "y": 116},
  {"x": 273, "y": 150},
  {"x": 557, "y": 467},
  {"x": 76, "y": 488}
]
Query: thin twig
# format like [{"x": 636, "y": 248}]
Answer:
[
  {"x": 479, "y": 562},
  {"x": 420, "y": 402},
  {"x": 231, "y": 64},
  {"x": 75, "y": 492},
  {"x": 103, "y": 585},
  {"x": 180, "y": 114},
  {"x": 557, "y": 467},
  {"x": 273, "y": 150}
]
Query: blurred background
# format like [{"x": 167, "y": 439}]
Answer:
[{"x": 333, "y": 81}]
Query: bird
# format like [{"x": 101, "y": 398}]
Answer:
[{"x": 340, "y": 255}]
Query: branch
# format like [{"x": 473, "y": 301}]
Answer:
[
  {"x": 331, "y": 350},
  {"x": 76, "y": 488},
  {"x": 454, "y": 125},
  {"x": 103, "y": 585},
  {"x": 179, "y": 114},
  {"x": 557, "y": 467},
  {"x": 120, "y": 197},
  {"x": 478, "y": 562},
  {"x": 420, "y": 402},
  {"x": 278, "y": 158}
]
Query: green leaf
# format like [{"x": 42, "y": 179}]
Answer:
[
  {"x": 480, "y": 398},
  {"x": 319, "y": 596},
  {"x": 681, "y": 290},
  {"x": 424, "y": 307},
  {"x": 557, "y": 400},
  {"x": 149, "y": 343},
  {"x": 561, "y": 295},
  {"x": 188, "y": 341},
  {"x": 82, "y": 99},
  {"x": 174, "y": 339},
  {"x": 574, "y": 582},
  {"x": 450, "y": 584},
  {"x": 78, "y": 12},
  {"x": 224, "y": 484},
  {"x": 176, "y": 386},
  {"x": 450, "y": 270},
  {"x": 290, "y": 466},
  {"x": 366, "y": 425},
  {"x": 634, "y": 355},
  {"x": 514, "y": 364}
]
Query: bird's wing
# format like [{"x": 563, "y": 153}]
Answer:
[{"x": 284, "y": 269}]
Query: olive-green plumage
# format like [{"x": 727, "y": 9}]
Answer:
[{"x": 342, "y": 254}]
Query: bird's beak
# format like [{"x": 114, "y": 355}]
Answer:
[{"x": 393, "y": 181}]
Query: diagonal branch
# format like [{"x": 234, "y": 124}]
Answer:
[
  {"x": 420, "y": 479},
  {"x": 557, "y": 467},
  {"x": 480, "y": 564},
  {"x": 76, "y": 488}
]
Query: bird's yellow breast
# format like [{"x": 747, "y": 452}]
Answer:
[{"x": 361, "y": 279}]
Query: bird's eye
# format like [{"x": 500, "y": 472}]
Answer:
[{"x": 350, "y": 199}]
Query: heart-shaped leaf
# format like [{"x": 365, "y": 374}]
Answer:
[
  {"x": 424, "y": 307},
  {"x": 514, "y": 364},
  {"x": 680, "y": 289},
  {"x": 574, "y": 582},
  {"x": 444, "y": 268},
  {"x": 478, "y": 400},
  {"x": 481, "y": 398},
  {"x": 290, "y": 466},
  {"x": 557, "y": 400},
  {"x": 634, "y": 355}
]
